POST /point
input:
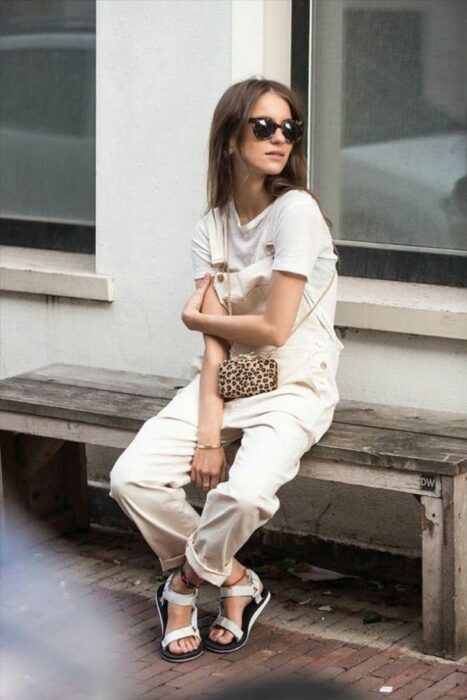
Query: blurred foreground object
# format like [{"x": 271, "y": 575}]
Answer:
[
  {"x": 286, "y": 688},
  {"x": 56, "y": 642}
]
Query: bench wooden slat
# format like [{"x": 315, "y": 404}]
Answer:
[
  {"x": 151, "y": 385},
  {"x": 84, "y": 404},
  {"x": 393, "y": 449},
  {"x": 350, "y": 443},
  {"x": 414, "y": 420}
]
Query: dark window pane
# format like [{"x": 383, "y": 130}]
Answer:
[
  {"x": 47, "y": 116},
  {"x": 390, "y": 117}
]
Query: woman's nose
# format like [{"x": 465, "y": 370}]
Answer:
[{"x": 278, "y": 136}]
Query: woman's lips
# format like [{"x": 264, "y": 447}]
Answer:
[{"x": 276, "y": 156}]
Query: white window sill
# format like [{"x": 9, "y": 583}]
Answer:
[
  {"x": 397, "y": 307},
  {"x": 54, "y": 273},
  {"x": 402, "y": 307}
]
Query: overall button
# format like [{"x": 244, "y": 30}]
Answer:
[
  {"x": 220, "y": 277},
  {"x": 323, "y": 365},
  {"x": 320, "y": 343}
]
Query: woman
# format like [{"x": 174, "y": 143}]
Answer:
[{"x": 282, "y": 262}]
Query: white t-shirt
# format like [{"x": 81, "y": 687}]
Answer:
[{"x": 301, "y": 237}]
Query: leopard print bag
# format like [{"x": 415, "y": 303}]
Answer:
[{"x": 246, "y": 375}]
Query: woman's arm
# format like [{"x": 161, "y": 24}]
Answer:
[
  {"x": 273, "y": 327},
  {"x": 211, "y": 404}
]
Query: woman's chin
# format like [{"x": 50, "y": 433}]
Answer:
[{"x": 274, "y": 170}]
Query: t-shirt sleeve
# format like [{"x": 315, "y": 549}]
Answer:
[
  {"x": 200, "y": 250},
  {"x": 298, "y": 238}
]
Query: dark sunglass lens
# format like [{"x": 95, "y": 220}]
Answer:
[
  {"x": 292, "y": 130},
  {"x": 263, "y": 128}
]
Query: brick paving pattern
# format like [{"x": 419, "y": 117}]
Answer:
[{"x": 80, "y": 622}]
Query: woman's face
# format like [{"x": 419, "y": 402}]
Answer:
[{"x": 255, "y": 151}]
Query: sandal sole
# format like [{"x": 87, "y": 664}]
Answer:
[
  {"x": 163, "y": 616},
  {"x": 250, "y": 615}
]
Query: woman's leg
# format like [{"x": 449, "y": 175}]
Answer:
[
  {"x": 147, "y": 481},
  {"x": 268, "y": 457}
]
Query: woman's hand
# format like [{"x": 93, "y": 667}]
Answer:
[
  {"x": 192, "y": 308},
  {"x": 208, "y": 468}
]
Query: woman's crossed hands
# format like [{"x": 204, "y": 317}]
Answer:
[{"x": 208, "y": 468}]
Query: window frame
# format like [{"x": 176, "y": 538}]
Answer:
[{"x": 357, "y": 258}]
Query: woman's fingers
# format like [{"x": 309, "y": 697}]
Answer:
[
  {"x": 195, "y": 302},
  {"x": 207, "y": 471},
  {"x": 215, "y": 478},
  {"x": 202, "y": 481}
]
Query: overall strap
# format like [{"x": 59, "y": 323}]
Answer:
[{"x": 216, "y": 242}]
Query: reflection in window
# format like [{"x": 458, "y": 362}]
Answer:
[
  {"x": 47, "y": 118},
  {"x": 390, "y": 139}
]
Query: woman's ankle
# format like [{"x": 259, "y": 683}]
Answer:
[
  {"x": 237, "y": 575},
  {"x": 178, "y": 586},
  {"x": 185, "y": 581}
]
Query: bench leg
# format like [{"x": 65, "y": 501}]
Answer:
[
  {"x": 43, "y": 479},
  {"x": 14, "y": 495},
  {"x": 444, "y": 542},
  {"x": 73, "y": 458}
]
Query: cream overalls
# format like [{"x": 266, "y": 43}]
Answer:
[{"x": 276, "y": 428}]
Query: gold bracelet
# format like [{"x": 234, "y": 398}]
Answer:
[{"x": 208, "y": 447}]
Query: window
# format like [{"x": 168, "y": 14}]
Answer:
[
  {"x": 387, "y": 144},
  {"x": 47, "y": 124}
]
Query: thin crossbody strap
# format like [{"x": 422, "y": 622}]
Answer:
[{"x": 226, "y": 252}]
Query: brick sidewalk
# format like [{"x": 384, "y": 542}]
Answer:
[{"x": 80, "y": 623}]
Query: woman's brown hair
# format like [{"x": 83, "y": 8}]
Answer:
[{"x": 230, "y": 117}]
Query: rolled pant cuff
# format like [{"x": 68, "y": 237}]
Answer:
[
  {"x": 217, "y": 578},
  {"x": 172, "y": 563}
]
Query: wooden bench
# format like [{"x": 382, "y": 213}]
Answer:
[{"x": 48, "y": 415}]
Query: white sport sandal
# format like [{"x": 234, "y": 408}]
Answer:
[
  {"x": 250, "y": 614},
  {"x": 164, "y": 595}
]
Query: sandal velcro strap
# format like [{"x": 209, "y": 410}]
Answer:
[
  {"x": 250, "y": 590},
  {"x": 178, "y": 598},
  {"x": 229, "y": 625},
  {"x": 188, "y": 631}
]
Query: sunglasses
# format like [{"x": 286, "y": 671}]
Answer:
[{"x": 265, "y": 127}]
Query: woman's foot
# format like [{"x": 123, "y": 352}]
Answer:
[
  {"x": 233, "y": 607},
  {"x": 180, "y": 616}
]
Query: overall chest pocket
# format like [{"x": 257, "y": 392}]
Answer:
[{"x": 248, "y": 287}]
